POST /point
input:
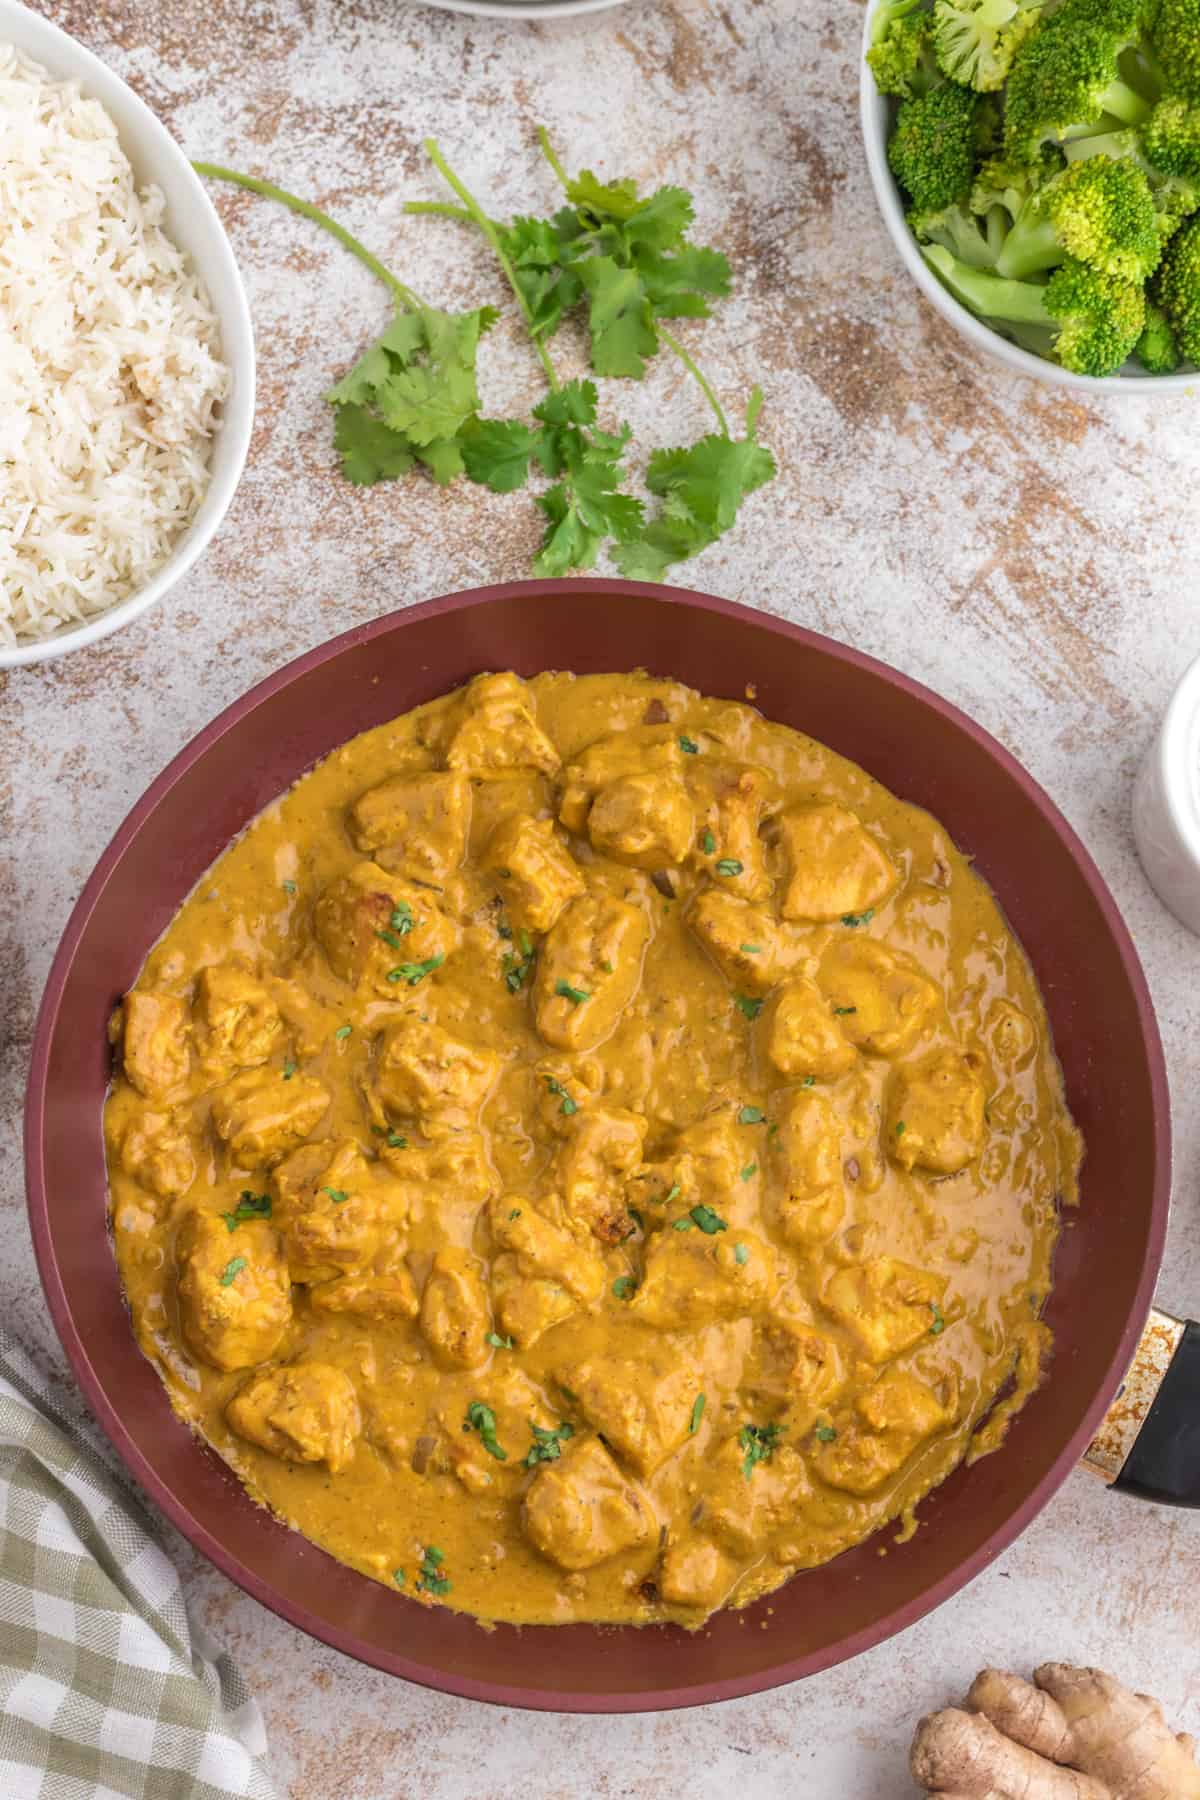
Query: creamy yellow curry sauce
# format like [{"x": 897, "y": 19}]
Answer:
[{"x": 587, "y": 1152}]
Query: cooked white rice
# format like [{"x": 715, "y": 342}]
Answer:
[{"x": 109, "y": 365}]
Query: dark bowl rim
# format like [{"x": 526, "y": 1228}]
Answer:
[{"x": 583, "y": 589}]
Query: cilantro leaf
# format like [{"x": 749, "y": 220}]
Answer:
[
  {"x": 620, "y": 319},
  {"x": 370, "y": 450},
  {"x": 497, "y": 453}
]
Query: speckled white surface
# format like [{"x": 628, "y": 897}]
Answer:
[{"x": 1034, "y": 558}]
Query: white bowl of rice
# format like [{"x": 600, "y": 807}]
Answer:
[{"x": 126, "y": 350}]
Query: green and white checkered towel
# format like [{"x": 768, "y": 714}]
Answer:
[{"x": 108, "y": 1691}]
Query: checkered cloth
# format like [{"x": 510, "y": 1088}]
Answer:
[{"x": 108, "y": 1691}]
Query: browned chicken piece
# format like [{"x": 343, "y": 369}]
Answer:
[
  {"x": 331, "y": 1210},
  {"x": 263, "y": 1113},
  {"x": 498, "y": 730},
  {"x": 798, "y": 1366},
  {"x": 414, "y": 825},
  {"x": 745, "y": 942},
  {"x": 307, "y": 1412},
  {"x": 602, "y": 1151},
  {"x": 934, "y": 1117},
  {"x": 456, "y": 1164},
  {"x": 641, "y": 1408},
  {"x": 527, "y": 1306},
  {"x": 235, "y": 1299},
  {"x": 694, "y": 1573},
  {"x": 381, "y": 1297},
  {"x": 382, "y": 932},
  {"x": 154, "y": 1042},
  {"x": 455, "y": 1319},
  {"x": 309, "y": 1022},
  {"x": 158, "y": 1151},
  {"x": 881, "y": 999},
  {"x": 1011, "y": 1033},
  {"x": 800, "y": 1034},
  {"x": 646, "y": 820},
  {"x": 835, "y": 867},
  {"x": 887, "y": 1306},
  {"x": 533, "y": 870},
  {"x": 805, "y": 1184},
  {"x": 542, "y": 1249},
  {"x": 645, "y": 748},
  {"x": 238, "y": 1022},
  {"x": 589, "y": 970},
  {"x": 579, "y": 1510},
  {"x": 425, "y": 1074},
  {"x": 707, "y": 1160},
  {"x": 692, "y": 1278},
  {"x": 740, "y": 1512},
  {"x": 878, "y": 1434},
  {"x": 731, "y": 800}
]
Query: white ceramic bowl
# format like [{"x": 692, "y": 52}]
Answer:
[
  {"x": 876, "y": 113},
  {"x": 1166, "y": 805},
  {"x": 192, "y": 223}
]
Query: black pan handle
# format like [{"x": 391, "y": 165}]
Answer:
[{"x": 1149, "y": 1444}]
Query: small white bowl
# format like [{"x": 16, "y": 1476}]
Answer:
[
  {"x": 192, "y": 224},
  {"x": 876, "y": 114},
  {"x": 1166, "y": 805}
]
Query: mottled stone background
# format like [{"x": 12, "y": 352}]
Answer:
[{"x": 1031, "y": 555}]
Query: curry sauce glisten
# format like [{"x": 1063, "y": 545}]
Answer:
[{"x": 587, "y": 1152}]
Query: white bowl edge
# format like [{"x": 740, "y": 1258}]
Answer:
[{"x": 192, "y": 223}]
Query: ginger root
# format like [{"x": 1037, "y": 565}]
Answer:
[{"x": 1071, "y": 1734}]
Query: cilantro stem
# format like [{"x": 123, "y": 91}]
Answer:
[
  {"x": 439, "y": 209},
  {"x": 548, "y": 151},
  {"x": 489, "y": 231},
  {"x": 307, "y": 210},
  {"x": 695, "y": 372}
]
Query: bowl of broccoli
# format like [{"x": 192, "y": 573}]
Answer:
[{"x": 1037, "y": 163}]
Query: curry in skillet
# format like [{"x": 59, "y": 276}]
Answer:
[{"x": 587, "y": 1152}]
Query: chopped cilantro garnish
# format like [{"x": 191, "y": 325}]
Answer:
[
  {"x": 688, "y": 746},
  {"x": 517, "y": 970},
  {"x": 289, "y": 1069},
  {"x": 741, "y": 1255},
  {"x": 697, "y": 1415},
  {"x": 809, "y": 1081},
  {"x": 391, "y": 938},
  {"x": 289, "y": 887},
  {"x": 398, "y": 1577},
  {"x": 482, "y": 1419},
  {"x": 575, "y": 995},
  {"x": 402, "y": 920},
  {"x": 674, "y": 1194},
  {"x": 499, "y": 1343},
  {"x": 709, "y": 843},
  {"x": 751, "y": 949},
  {"x": 751, "y": 1115},
  {"x": 249, "y": 1206},
  {"x": 503, "y": 930},
  {"x": 758, "y": 1442},
  {"x": 412, "y": 972},
  {"x": 825, "y": 1434},
  {"x": 901, "y": 1128},
  {"x": 749, "y": 1170},
  {"x": 607, "y": 966},
  {"x": 708, "y": 1221},
  {"x": 397, "y": 1141},
  {"x": 568, "y": 1106},
  {"x": 337, "y": 1195},
  {"x": 343, "y": 1031},
  {"x": 684, "y": 1224},
  {"x": 862, "y": 918},
  {"x": 746, "y": 1005},
  {"x": 729, "y": 865},
  {"x": 624, "y": 1287},
  {"x": 939, "y": 1324},
  {"x": 429, "y": 1578},
  {"x": 515, "y": 1213},
  {"x": 232, "y": 1270},
  {"x": 841, "y": 1012},
  {"x": 547, "y": 1445}
]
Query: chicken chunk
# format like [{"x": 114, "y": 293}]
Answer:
[
  {"x": 795, "y": 1364},
  {"x": 692, "y": 1278},
  {"x": 738, "y": 1513},
  {"x": 646, "y": 820},
  {"x": 745, "y": 942},
  {"x": 454, "y": 1310},
  {"x": 881, "y": 999},
  {"x": 235, "y": 1299},
  {"x": 641, "y": 1407},
  {"x": 425, "y": 1074},
  {"x": 644, "y": 749},
  {"x": 886, "y": 1306},
  {"x": 157, "y": 1149},
  {"x": 414, "y": 825},
  {"x": 307, "y": 1412},
  {"x": 263, "y": 1113},
  {"x": 542, "y": 1249},
  {"x": 835, "y": 867},
  {"x": 534, "y": 871},
  {"x": 600, "y": 1154},
  {"x": 731, "y": 800},
  {"x": 580, "y": 1510},
  {"x": 381, "y": 932},
  {"x": 805, "y": 1185},
  {"x": 498, "y": 731},
  {"x": 934, "y": 1116},
  {"x": 154, "y": 1042},
  {"x": 694, "y": 1573},
  {"x": 888, "y": 1421},
  {"x": 526, "y": 1306},
  {"x": 801, "y": 1036},
  {"x": 381, "y": 1298},
  {"x": 589, "y": 970},
  {"x": 239, "y": 1023},
  {"x": 455, "y": 1166},
  {"x": 331, "y": 1209}
]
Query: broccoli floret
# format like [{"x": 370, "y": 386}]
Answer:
[
  {"x": 1175, "y": 28},
  {"x": 1099, "y": 211},
  {"x": 1175, "y": 196},
  {"x": 989, "y": 296},
  {"x": 976, "y": 40},
  {"x": 901, "y": 55},
  {"x": 1156, "y": 349},
  {"x": 999, "y": 182},
  {"x": 1065, "y": 79},
  {"x": 1100, "y": 318},
  {"x": 1176, "y": 287},
  {"x": 1172, "y": 137},
  {"x": 958, "y": 231},
  {"x": 932, "y": 151}
]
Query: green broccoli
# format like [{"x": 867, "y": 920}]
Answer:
[
  {"x": 959, "y": 231},
  {"x": 901, "y": 55},
  {"x": 1175, "y": 196},
  {"x": 1099, "y": 211},
  {"x": 1175, "y": 28},
  {"x": 1066, "y": 78},
  {"x": 1156, "y": 349},
  {"x": 1176, "y": 287},
  {"x": 932, "y": 150},
  {"x": 1172, "y": 137},
  {"x": 1009, "y": 184},
  {"x": 1092, "y": 321},
  {"x": 975, "y": 40}
]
